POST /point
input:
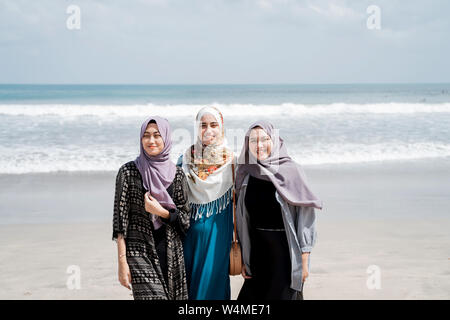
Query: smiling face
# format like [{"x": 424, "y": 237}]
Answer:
[
  {"x": 209, "y": 130},
  {"x": 152, "y": 140},
  {"x": 260, "y": 143}
]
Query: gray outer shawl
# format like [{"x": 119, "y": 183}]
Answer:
[{"x": 299, "y": 223}]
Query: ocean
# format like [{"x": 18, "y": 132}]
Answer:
[{"x": 70, "y": 128}]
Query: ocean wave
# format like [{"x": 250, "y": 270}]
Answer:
[
  {"x": 229, "y": 110},
  {"x": 98, "y": 158},
  {"x": 360, "y": 153}
]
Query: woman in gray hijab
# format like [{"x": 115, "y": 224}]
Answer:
[{"x": 275, "y": 218}]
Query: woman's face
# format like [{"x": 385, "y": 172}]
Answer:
[
  {"x": 209, "y": 130},
  {"x": 152, "y": 140},
  {"x": 260, "y": 143}
]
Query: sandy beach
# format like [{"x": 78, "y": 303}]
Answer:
[
  {"x": 357, "y": 92},
  {"x": 394, "y": 216}
]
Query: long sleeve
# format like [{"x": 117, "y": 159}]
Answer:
[
  {"x": 180, "y": 217},
  {"x": 121, "y": 205},
  {"x": 306, "y": 228}
]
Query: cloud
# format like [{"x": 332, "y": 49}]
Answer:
[
  {"x": 335, "y": 11},
  {"x": 217, "y": 41}
]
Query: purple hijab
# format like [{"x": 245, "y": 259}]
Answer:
[
  {"x": 157, "y": 171},
  {"x": 286, "y": 175}
]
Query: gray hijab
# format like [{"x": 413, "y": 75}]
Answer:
[
  {"x": 286, "y": 175},
  {"x": 158, "y": 171}
]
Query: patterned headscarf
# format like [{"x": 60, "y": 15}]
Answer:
[{"x": 207, "y": 159}]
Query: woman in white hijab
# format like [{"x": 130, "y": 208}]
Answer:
[{"x": 208, "y": 165}]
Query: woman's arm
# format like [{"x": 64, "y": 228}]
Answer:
[
  {"x": 305, "y": 271},
  {"x": 124, "y": 269},
  {"x": 306, "y": 232},
  {"x": 121, "y": 204},
  {"x": 306, "y": 228},
  {"x": 180, "y": 217},
  {"x": 120, "y": 225},
  {"x": 154, "y": 207}
]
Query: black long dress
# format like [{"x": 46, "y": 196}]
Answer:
[
  {"x": 269, "y": 257},
  {"x": 155, "y": 257}
]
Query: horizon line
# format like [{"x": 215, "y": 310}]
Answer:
[{"x": 219, "y": 84}]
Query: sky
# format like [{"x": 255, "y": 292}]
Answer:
[{"x": 224, "y": 41}]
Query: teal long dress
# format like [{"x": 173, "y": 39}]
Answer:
[{"x": 207, "y": 248}]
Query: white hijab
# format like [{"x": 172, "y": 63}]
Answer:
[{"x": 219, "y": 182}]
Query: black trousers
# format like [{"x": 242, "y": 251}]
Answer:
[
  {"x": 271, "y": 268},
  {"x": 161, "y": 249}
]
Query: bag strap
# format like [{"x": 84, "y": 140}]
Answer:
[{"x": 234, "y": 209}]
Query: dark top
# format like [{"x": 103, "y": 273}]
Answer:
[
  {"x": 263, "y": 208},
  {"x": 269, "y": 255}
]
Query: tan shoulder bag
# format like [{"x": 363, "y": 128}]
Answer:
[{"x": 235, "y": 253}]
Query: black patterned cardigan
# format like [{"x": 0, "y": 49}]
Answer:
[{"x": 131, "y": 220}]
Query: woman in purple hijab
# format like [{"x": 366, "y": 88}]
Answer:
[
  {"x": 151, "y": 217},
  {"x": 275, "y": 218}
]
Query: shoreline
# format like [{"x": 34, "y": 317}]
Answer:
[
  {"x": 431, "y": 163},
  {"x": 388, "y": 190}
]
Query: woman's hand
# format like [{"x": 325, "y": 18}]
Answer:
[
  {"x": 152, "y": 205},
  {"x": 124, "y": 274},
  {"x": 244, "y": 273},
  {"x": 305, "y": 273}
]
